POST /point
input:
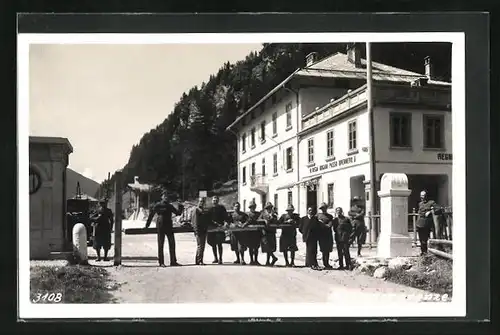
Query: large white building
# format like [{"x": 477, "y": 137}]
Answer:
[{"x": 307, "y": 140}]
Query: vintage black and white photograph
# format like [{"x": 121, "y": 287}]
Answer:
[{"x": 257, "y": 172}]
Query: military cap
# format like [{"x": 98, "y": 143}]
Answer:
[
  {"x": 356, "y": 198},
  {"x": 323, "y": 205},
  {"x": 252, "y": 204},
  {"x": 269, "y": 205},
  {"x": 290, "y": 207}
]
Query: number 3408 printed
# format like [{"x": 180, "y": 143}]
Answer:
[{"x": 46, "y": 297}]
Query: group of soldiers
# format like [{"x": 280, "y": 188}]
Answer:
[{"x": 316, "y": 228}]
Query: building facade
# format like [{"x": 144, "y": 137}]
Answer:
[{"x": 307, "y": 141}]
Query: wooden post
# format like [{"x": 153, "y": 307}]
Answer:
[
  {"x": 414, "y": 220},
  {"x": 118, "y": 218}
]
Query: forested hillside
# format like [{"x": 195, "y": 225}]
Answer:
[{"x": 191, "y": 144}]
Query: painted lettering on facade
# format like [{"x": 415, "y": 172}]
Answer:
[
  {"x": 333, "y": 164},
  {"x": 444, "y": 157}
]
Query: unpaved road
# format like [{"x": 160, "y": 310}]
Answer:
[{"x": 142, "y": 281}]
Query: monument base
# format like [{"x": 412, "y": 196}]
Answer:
[{"x": 389, "y": 246}]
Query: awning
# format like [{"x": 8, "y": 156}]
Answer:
[{"x": 308, "y": 181}]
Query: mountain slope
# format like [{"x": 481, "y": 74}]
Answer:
[{"x": 88, "y": 186}]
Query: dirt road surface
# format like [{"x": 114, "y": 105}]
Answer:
[{"x": 142, "y": 281}]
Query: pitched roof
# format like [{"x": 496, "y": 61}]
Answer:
[{"x": 339, "y": 66}]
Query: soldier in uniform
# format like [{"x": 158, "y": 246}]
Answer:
[
  {"x": 103, "y": 225},
  {"x": 164, "y": 226},
  {"x": 343, "y": 228},
  {"x": 218, "y": 215},
  {"x": 238, "y": 218},
  {"x": 251, "y": 239},
  {"x": 199, "y": 222},
  {"x": 309, "y": 228},
  {"x": 325, "y": 234},
  {"x": 357, "y": 216},
  {"x": 268, "y": 242},
  {"x": 288, "y": 238},
  {"x": 425, "y": 220}
]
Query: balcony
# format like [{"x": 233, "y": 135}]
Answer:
[{"x": 258, "y": 184}]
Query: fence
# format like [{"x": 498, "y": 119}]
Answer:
[{"x": 442, "y": 230}]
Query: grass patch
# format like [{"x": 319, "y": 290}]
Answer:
[
  {"x": 428, "y": 273},
  {"x": 76, "y": 284}
]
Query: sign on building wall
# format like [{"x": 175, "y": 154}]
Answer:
[
  {"x": 333, "y": 164},
  {"x": 444, "y": 157},
  {"x": 35, "y": 180}
]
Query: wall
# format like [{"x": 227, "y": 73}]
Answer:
[
  {"x": 48, "y": 156},
  {"x": 313, "y": 97},
  {"x": 416, "y": 153}
]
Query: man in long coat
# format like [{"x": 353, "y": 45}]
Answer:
[
  {"x": 164, "y": 226},
  {"x": 357, "y": 216},
  {"x": 309, "y": 228},
  {"x": 325, "y": 234},
  {"x": 288, "y": 238},
  {"x": 238, "y": 219},
  {"x": 218, "y": 215},
  {"x": 103, "y": 225},
  {"x": 251, "y": 239},
  {"x": 268, "y": 243}
]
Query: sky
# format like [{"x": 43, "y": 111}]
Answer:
[{"x": 104, "y": 98}]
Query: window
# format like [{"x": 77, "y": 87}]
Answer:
[
  {"x": 310, "y": 150},
  {"x": 244, "y": 143},
  {"x": 290, "y": 197},
  {"x": 263, "y": 166},
  {"x": 289, "y": 159},
  {"x": 275, "y": 123},
  {"x": 400, "y": 124},
  {"x": 244, "y": 205},
  {"x": 289, "y": 115},
  {"x": 276, "y": 202},
  {"x": 433, "y": 132},
  {"x": 330, "y": 195},
  {"x": 244, "y": 175},
  {"x": 352, "y": 135},
  {"x": 252, "y": 138},
  {"x": 275, "y": 164},
  {"x": 253, "y": 170},
  {"x": 329, "y": 144},
  {"x": 263, "y": 131}
]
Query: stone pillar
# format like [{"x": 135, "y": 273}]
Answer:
[
  {"x": 394, "y": 240},
  {"x": 80, "y": 243}
]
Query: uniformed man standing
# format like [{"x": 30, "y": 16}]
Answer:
[
  {"x": 238, "y": 218},
  {"x": 251, "y": 239},
  {"x": 325, "y": 234},
  {"x": 343, "y": 228},
  {"x": 309, "y": 227},
  {"x": 199, "y": 222},
  {"x": 288, "y": 238},
  {"x": 103, "y": 225},
  {"x": 164, "y": 226},
  {"x": 268, "y": 243},
  {"x": 425, "y": 220},
  {"x": 218, "y": 215},
  {"x": 357, "y": 216}
]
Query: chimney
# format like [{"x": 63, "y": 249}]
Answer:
[
  {"x": 311, "y": 58},
  {"x": 428, "y": 67},
  {"x": 354, "y": 54}
]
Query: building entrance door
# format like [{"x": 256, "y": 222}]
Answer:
[
  {"x": 312, "y": 197},
  {"x": 263, "y": 199}
]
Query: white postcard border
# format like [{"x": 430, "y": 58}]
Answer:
[{"x": 455, "y": 308}]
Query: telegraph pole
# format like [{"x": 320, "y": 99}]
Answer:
[
  {"x": 369, "y": 98},
  {"x": 118, "y": 218}
]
